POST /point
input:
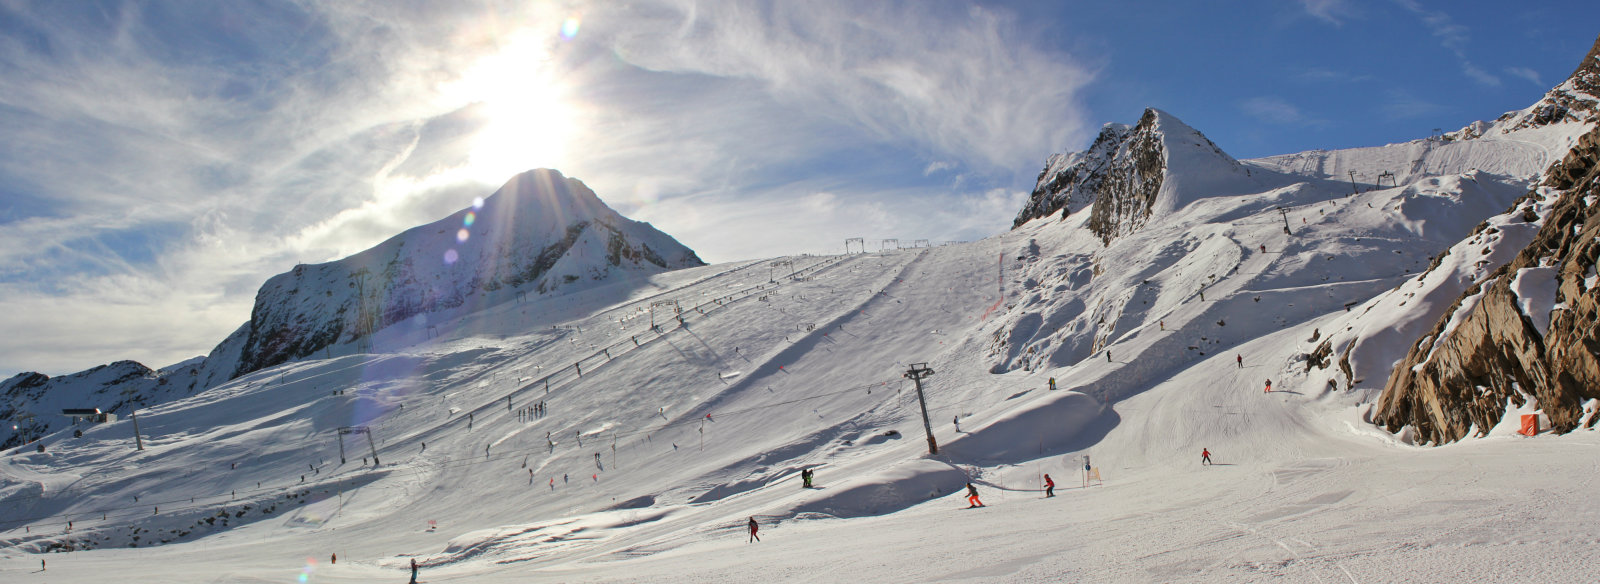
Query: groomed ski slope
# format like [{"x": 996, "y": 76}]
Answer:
[{"x": 805, "y": 372}]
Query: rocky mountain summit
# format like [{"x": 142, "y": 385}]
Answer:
[{"x": 1130, "y": 172}]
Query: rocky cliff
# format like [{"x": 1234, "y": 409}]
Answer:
[
  {"x": 1129, "y": 173},
  {"x": 1527, "y": 333}
]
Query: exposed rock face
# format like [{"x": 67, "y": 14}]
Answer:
[
  {"x": 1071, "y": 181},
  {"x": 1132, "y": 183},
  {"x": 539, "y": 233},
  {"x": 1128, "y": 173},
  {"x": 1509, "y": 343}
]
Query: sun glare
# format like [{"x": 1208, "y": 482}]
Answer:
[{"x": 527, "y": 121}]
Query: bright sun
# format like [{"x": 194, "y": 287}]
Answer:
[{"x": 528, "y": 122}]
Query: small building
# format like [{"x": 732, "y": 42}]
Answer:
[{"x": 91, "y": 415}]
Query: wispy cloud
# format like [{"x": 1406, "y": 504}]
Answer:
[
  {"x": 1335, "y": 12},
  {"x": 1452, "y": 36},
  {"x": 1402, "y": 105},
  {"x": 1525, "y": 73},
  {"x": 1275, "y": 110},
  {"x": 1326, "y": 75}
]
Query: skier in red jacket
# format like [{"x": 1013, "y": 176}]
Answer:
[
  {"x": 753, "y": 527},
  {"x": 1049, "y": 486}
]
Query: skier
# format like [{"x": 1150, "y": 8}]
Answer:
[
  {"x": 805, "y": 478},
  {"x": 972, "y": 496},
  {"x": 413, "y": 571},
  {"x": 334, "y": 559},
  {"x": 1269, "y": 386},
  {"x": 1263, "y": 248},
  {"x": 753, "y": 527},
  {"x": 1163, "y": 325},
  {"x": 958, "y": 423},
  {"x": 1240, "y": 359},
  {"x": 1049, "y": 486},
  {"x": 1052, "y": 384},
  {"x": 1205, "y": 456}
]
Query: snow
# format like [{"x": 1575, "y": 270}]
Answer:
[
  {"x": 1535, "y": 289},
  {"x": 703, "y": 423}
]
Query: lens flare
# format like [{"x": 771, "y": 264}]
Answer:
[
  {"x": 477, "y": 202},
  {"x": 450, "y": 256},
  {"x": 462, "y": 235},
  {"x": 469, "y": 219},
  {"x": 569, "y": 28}
]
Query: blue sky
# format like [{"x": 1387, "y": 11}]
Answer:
[{"x": 158, "y": 161}]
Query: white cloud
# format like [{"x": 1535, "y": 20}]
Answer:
[
  {"x": 1275, "y": 110},
  {"x": 1451, "y": 36},
  {"x": 957, "y": 83},
  {"x": 1332, "y": 11},
  {"x": 1525, "y": 73},
  {"x": 1399, "y": 105}
]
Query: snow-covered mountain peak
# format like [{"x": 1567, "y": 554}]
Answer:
[
  {"x": 539, "y": 234},
  {"x": 1132, "y": 172}
]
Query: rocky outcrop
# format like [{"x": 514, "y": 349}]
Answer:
[
  {"x": 1527, "y": 333},
  {"x": 1130, "y": 173},
  {"x": 1071, "y": 181}
]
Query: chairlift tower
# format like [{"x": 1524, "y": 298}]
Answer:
[
  {"x": 920, "y": 243},
  {"x": 775, "y": 265},
  {"x": 675, "y": 310},
  {"x": 887, "y": 242},
  {"x": 916, "y": 374},
  {"x": 357, "y": 430},
  {"x": 1387, "y": 175},
  {"x": 860, "y": 243}
]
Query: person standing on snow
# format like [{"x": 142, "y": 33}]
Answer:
[
  {"x": 1052, "y": 384},
  {"x": 753, "y": 527},
  {"x": 1240, "y": 359},
  {"x": 957, "y": 421},
  {"x": 972, "y": 496},
  {"x": 413, "y": 571},
  {"x": 1205, "y": 457},
  {"x": 1049, "y": 486},
  {"x": 1269, "y": 386}
]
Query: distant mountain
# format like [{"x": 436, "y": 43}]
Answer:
[
  {"x": 33, "y": 401},
  {"x": 540, "y": 233}
]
